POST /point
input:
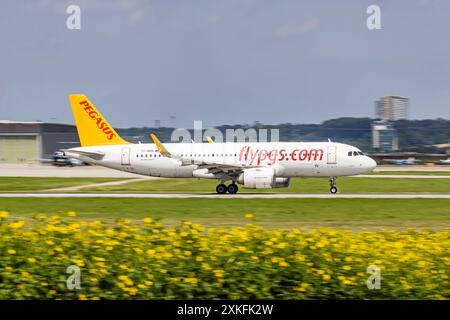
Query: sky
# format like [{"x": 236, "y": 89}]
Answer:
[{"x": 222, "y": 61}]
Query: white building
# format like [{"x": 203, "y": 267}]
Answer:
[
  {"x": 384, "y": 136},
  {"x": 392, "y": 108}
]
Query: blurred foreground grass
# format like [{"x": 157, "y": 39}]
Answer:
[{"x": 126, "y": 260}]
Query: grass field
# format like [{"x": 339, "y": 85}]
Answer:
[
  {"x": 19, "y": 184},
  {"x": 273, "y": 213},
  {"x": 298, "y": 185},
  {"x": 417, "y": 173}
]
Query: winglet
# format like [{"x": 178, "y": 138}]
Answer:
[{"x": 159, "y": 146}]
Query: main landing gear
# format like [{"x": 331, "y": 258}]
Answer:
[
  {"x": 222, "y": 188},
  {"x": 333, "y": 188}
]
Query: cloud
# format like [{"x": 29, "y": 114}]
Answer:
[{"x": 296, "y": 29}]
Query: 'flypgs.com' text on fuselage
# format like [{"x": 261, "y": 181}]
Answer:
[
  {"x": 254, "y": 165},
  {"x": 270, "y": 157}
]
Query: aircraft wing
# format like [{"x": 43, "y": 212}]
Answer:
[{"x": 216, "y": 168}]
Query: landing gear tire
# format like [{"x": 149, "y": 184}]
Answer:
[
  {"x": 333, "y": 188},
  {"x": 221, "y": 189},
  {"x": 232, "y": 188}
]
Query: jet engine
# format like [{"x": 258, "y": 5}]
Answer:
[
  {"x": 282, "y": 182},
  {"x": 257, "y": 178},
  {"x": 262, "y": 178}
]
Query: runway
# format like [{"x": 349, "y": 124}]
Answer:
[
  {"x": 226, "y": 196},
  {"x": 22, "y": 170}
]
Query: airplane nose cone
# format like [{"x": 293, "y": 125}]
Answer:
[{"x": 371, "y": 164}]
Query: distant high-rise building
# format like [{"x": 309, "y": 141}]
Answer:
[
  {"x": 172, "y": 121},
  {"x": 384, "y": 136},
  {"x": 392, "y": 108}
]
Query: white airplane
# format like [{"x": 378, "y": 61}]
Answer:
[
  {"x": 444, "y": 161},
  {"x": 254, "y": 165},
  {"x": 404, "y": 162}
]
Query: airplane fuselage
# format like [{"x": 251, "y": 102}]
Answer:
[{"x": 287, "y": 159}]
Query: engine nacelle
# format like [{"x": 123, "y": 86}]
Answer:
[
  {"x": 203, "y": 173},
  {"x": 257, "y": 178},
  {"x": 282, "y": 182}
]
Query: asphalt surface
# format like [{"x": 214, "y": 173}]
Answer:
[
  {"x": 20, "y": 170},
  {"x": 225, "y": 196},
  {"x": 24, "y": 170}
]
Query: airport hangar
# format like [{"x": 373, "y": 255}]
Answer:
[{"x": 30, "y": 142}]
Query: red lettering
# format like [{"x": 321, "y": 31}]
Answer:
[
  {"x": 253, "y": 156},
  {"x": 107, "y": 130},
  {"x": 99, "y": 121},
  {"x": 93, "y": 114},
  {"x": 273, "y": 156},
  {"x": 282, "y": 154},
  {"x": 241, "y": 153},
  {"x": 303, "y": 155},
  {"x": 293, "y": 154},
  {"x": 316, "y": 153},
  {"x": 262, "y": 156}
]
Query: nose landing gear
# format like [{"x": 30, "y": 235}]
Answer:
[{"x": 333, "y": 188}]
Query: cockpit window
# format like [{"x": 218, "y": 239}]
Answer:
[
  {"x": 349, "y": 153},
  {"x": 360, "y": 153},
  {"x": 355, "y": 153}
]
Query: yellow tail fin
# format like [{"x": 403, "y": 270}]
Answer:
[{"x": 93, "y": 129}]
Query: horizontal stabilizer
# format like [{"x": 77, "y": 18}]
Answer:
[{"x": 88, "y": 154}]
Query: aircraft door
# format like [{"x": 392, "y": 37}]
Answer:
[
  {"x": 125, "y": 158},
  {"x": 331, "y": 154}
]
